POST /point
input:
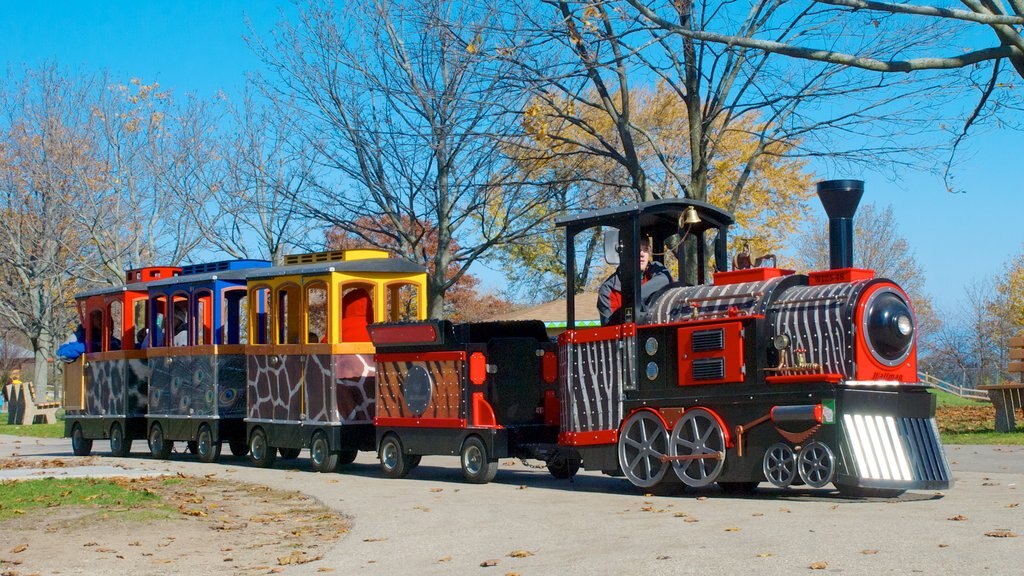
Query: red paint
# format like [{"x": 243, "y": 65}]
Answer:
[
  {"x": 151, "y": 273},
  {"x": 390, "y": 422},
  {"x": 549, "y": 367},
  {"x": 838, "y": 276},
  {"x": 593, "y": 334},
  {"x": 868, "y": 368},
  {"x": 416, "y": 334},
  {"x": 356, "y": 315},
  {"x": 420, "y": 357},
  {"x": 721, "y": 423},
  {"x": 483, "y": 414},
  {"x": 732, "y": 353},
  {"x": 595, "y": 438},
  {"x": 749, "y": 275},
  {"x": 552, "y": 409},
  {"x": 829, "y": 378},
  {"x": 477, "y": 368}
]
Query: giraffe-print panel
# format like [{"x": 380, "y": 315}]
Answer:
[
  {"x": 355, "y": 382},
  {"x": 446, "y": 377},
  {"x": 274, "y": 387},
  {"x": 320, "y": 389}
]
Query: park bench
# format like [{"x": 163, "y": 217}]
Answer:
[
  {"x": 23, "y": 408},
  {"x": 1006, "y": 397}
]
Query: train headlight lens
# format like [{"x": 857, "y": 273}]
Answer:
[{"x": 889, "y": 326}]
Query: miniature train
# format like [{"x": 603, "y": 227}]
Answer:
[{"x": 761, "y": 375}]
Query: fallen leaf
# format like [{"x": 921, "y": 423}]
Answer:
[
  {"x": 374, "y": 539},
  {"x": 437, "y": 489},
  {"x": 701, "y": 498},
  {"x": 520, "y": 554},
  {"x": 957, "y": 518},
  {"x": 680, "y": 514},
  {"x": 869, "y": 551},
  {"x": 691, "y": 519},
  {"x": 732, "y": 529},
  {"x": 1014, "y": 505},
  {"x": 765, "y": 555},
  {"x": 19, "y": 548},
  {"x": 1001, "y": 533},
  {"x": 818, "y": 566},
  {"x": 445, "y": 559},
  {"x": 325, "y": 569},
  {"x": 943, "y": 545}
]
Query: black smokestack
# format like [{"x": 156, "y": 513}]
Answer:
[{"x": 840, "y": 199}]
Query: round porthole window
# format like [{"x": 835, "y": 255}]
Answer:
[
  {"x": 417, "y": 390},
  {"x": 652, "y": 370},
  {"x": 651, "y": 346}
]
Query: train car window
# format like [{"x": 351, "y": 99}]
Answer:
[
  {"x": 139, "y": 322},
  {"x": 158, "y": 313},
  {"x": 289, "y": 310},
  {"x": 316, "y": 307},
  {"x": 114, "y": 325},
  {"x": 403, "y": 302},
  {"x": 259, "y": 316},
  {"x": 179, "y": 322},
  {"x": 94, "y": 331},
  {"x": 356, "y": 312},
  {"x": 234, "y": 317},
  {"x": 204, "y": 320}
]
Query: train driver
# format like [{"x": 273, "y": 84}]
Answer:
[{"x": 653, "y": 277}]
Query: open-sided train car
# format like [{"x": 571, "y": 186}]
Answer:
[
  {"x": 310, "y": 372},
  {"x": 196, "y": 349},
  {"x": 106, "y": 388}
]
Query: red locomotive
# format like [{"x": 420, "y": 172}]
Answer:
[{"x": 762, "y": 375}]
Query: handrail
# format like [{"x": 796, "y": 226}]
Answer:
[{"x": 969, "y": 393}]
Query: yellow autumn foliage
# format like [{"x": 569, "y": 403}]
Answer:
[{"x": 1011, "y": 287}]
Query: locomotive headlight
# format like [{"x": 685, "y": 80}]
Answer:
[{"x": 888, "y": 326}]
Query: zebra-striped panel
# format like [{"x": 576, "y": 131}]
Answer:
[
  {"x": 595, "y": 374},
  {"x": 819, "y": 321},
  {"x": 686, "y": 302}
]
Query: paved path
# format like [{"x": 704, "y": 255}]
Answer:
[{"x": 433, "y": 523}]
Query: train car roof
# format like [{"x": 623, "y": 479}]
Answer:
[
  {"x": 239, "y": 275},
  {"x": 370, "y": 265},
  {"x": 649, "y": 214}
]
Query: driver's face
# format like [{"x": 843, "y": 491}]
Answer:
[{"x": 645, "y": 256}]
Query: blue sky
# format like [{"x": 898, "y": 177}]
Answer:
[{"x": 196, "y": 46}]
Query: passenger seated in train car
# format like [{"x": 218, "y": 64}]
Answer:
[
  {"x": 180, "y": 327},
  {"x": 654, "y": 276}
]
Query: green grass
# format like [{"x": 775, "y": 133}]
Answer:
[
  {"x": 943, "y": 399},
  {"x": 984, "y": 437},
  {"x": 22, "y": 497},
  {"x": 55, "y": 430}
]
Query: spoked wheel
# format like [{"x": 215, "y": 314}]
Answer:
[
  {"x": 347, "y": 457},
  {"x": 699, "y": 437},
  {"x": 320, "y": 454},
  {"x": 780, "y": 465},
  {"x": 80, "y": 445},
  {"x": 289, "y": 453},
  {"x": 816, "y": 464},
  {"x": 393, "y": 462},
  {"x": 261, "y": 452},
  {"x": 119, "y": 445},
  {"x": 159, "y": 446},
  {"x": 238, "y": 448},
  {"x": 642, "y": 443},
  {"x": 207, "y": 450},
  {"x": 477, "y": 466}
]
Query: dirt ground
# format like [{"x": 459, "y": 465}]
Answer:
[{"x": 202, "y": 525}]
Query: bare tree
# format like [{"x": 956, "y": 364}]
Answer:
[
  {"x": 407, "y": 112},
  {"x": 45, "y": 161},
  {"x": 243, "y": 203}
]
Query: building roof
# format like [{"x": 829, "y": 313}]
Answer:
[
  {"x": 14, "y": 352},
  {"x": 553, "y": 313}
]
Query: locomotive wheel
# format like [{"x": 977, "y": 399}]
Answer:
[
  {"x": 393, "y": 461},
  {"x": 320, "y": 454},
  {"x": 207, "y": 450},
  {"x": 477, "y": 466},
  {"x": 861, "y": 492},
  {"x": 261, "y": 452},
  {"x": 238, "y": 448},
  {"x": 816, "y": 464},
  {"x": 780, "y": 464},
  {"x": 698, "y": 433},
  {"x": 80, "y": 445},
  {"x": 289, "y": 453},
  {"x": 642, "y": 443},
  {"x": 414, "y": 461},
  {"x": 119, "y": 445},
  {"x": 346, "y": 457},
  {"x": 192, "y": 446},
  {"x": 159, "y": 446}
]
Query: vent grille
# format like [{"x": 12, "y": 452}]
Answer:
[
  {"x": 314, "y": 257},
  {"x": 887, "y": 448},
  {"x": 709, "y": 369},
  {"x": 708, "y": 340}
]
